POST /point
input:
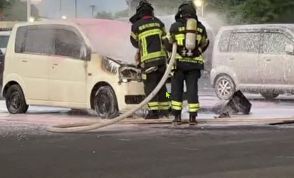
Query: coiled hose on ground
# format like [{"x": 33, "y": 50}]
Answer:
[{"x": 88, "y": 126}]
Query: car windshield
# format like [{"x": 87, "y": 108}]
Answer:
[{"x": 3, "y": 41}]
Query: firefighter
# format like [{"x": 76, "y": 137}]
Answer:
[
  {"x": 148, "y": 34},
  {"x": 189, "y": 60}
]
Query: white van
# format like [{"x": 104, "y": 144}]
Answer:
[
  {"x": 80, "y": 64},
  {"x": 254, "y": 58}
]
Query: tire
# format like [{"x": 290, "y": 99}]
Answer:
[
  {"x": 269, "y": 95},
  {"x": 224, "y": 87},
  {"x": 105, "y": 103},
  {"x": 15, "y": 100}
]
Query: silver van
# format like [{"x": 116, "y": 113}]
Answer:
[{"x": 254, "y": 58}]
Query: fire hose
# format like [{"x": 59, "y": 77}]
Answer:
[{"x": 89, "y": 126}]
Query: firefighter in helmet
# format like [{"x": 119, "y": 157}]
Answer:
[
  {"x": 148, "y": 34},
  {"x": 191, "y": 38}
]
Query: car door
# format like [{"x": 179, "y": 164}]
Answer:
[
  {"x": 68, "y": 72},
  {"x": 273, "y": 58},
  {"x": 244, "y": 53},
  {"x": 34, "y": 47}
]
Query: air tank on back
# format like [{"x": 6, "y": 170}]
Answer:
[{"x": 191, "y": 34}]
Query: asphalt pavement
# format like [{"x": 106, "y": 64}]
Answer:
[
  {"x": 242, "y": 146},
  {"x": 151, "y": 151}
]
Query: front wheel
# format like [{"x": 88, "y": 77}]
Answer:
[
  {"x": 105, "y": 103},
  {"x": 224, "y": 87},
  {"x": 15, "y": 100}
]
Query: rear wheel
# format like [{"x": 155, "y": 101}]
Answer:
[
  {"x": 105, "y": 103},
  {"x": 269, "y": 95},
  {"x": 15, "y": 100},
  {"x": 224, "y": 87}
]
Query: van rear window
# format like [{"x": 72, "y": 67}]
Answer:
[
  {"x": 33, "y": 44},
  {"x": 223, "y": 44},
  {"x": 35, "y": 40},
  {"x": 48, "y": 40},
  {"x": 20, "y": 39}
]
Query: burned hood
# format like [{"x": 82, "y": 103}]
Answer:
[{"x": 109, "y": 38}]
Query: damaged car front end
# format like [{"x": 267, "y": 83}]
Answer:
[
  {"x": 126, "y": 72},
  {"x": 128, "y": 75},
  {"x": 113, "y": 56}
]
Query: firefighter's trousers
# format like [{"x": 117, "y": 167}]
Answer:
[
  {"x": 160, "y": 102},
  {"x": 191, "y": 78}
]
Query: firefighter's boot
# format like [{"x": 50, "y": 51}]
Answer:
[
  {"x": 164, "y": 114},
  {"x": 192, "y": 120},
  {"x": 152, "y": 114},
  {"x": 177, "y": 120}
]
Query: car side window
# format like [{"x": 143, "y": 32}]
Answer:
[
  {"x": 67, "y": 43},
  {"x": 245, "y": 42},
  {"x": 275, "y": 43},
  {"x": 39, "y": 40}
]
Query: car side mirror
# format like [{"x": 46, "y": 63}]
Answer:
[
  {"x": 289, "y": 49},
  {"x": 85, "y": 53}
]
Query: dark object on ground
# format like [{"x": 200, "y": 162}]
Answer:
[
  {"x": 224, "y": 115},
  {"x": 237, "y": 104},
  {"x": 283, "y": 123}
]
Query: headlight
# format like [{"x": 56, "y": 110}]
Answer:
[
  {"x": 129, "y": 73},
  {"x": 110, "y": 65}
]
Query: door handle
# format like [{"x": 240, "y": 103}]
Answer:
[
  {"x": 24, "y": 61},
  {"x": 54, "y": 65},
  {"x": 268, "y": 60}
]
